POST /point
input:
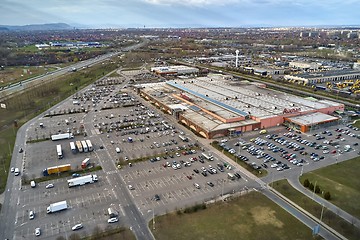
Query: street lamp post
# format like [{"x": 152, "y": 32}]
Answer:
[
  {"x": 153, "y": 218},
  {"x": 314, "y": 190}
]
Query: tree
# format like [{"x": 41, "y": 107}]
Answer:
[
  {"x": 317, "y": 189},
  {"x": 327, "y": 196},
  {"x": 306, "y": 183},
  {"x": 311, "y": 186}
]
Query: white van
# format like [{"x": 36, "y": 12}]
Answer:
[{"x": 17, "y": 171}]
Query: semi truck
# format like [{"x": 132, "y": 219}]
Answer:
[
  {"x": 89, "y": 145},
  {"x": 82, "y": 180},
  {"x": 73, "y": 147},
  {"x": 62, "y": 136},
  {"x": 85, "y": 163},
  {"x": 56, "y": 169},
  {"x": 59, "y": 151},
  {"x": 84, "y": 145},
  {"x": 55, "y": 207},
  {"x": 79, "y": 146}
]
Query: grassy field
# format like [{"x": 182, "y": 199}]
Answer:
[
  {"x": 109, "y": 234},
  {"x": 252, "y": 216},
  {"x": 16, "y": 74},
  {"x": 330, "y": 218},
  {"x": 343, "y": 183}
]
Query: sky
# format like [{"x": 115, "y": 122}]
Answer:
[{"x": 181, "y": 13}]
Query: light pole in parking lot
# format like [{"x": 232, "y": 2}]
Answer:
[{"x": 153, "y": 218}]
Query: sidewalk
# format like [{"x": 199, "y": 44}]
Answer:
[{"x": 338, "y": 211}]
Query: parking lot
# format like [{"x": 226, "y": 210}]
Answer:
[
  {"x": 177, "y": 186},
  {"x": 284, "y": 150},
  {"x": 86, "y": 204},
  {"x": 168, "y": 172},
  {"x": 113, "y": 117}
]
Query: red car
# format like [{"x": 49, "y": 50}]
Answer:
[
  {"x": 189, "y": 177},
  {"x": 333, "y": 151}
]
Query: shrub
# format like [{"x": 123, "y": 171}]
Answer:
[
  {"x": 311, "y": 187},
  {"x": 327, "y": 196},
  {"x": 306, "y": 183}
]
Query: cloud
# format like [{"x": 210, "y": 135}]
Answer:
[
  {"x": 190, "y": 3},
  {"x": 203, "y": 3}
]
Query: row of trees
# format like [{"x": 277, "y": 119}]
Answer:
[{"x": 316, "y": 188}]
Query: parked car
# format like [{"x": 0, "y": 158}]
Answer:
[
  {"x": 157, "y": 197},
  {"x": 31, "y": 215},
  {"x": 210, "y": 184},
  {"x": 77, "y": 227},
  {"x": 113, "y": 220},
  {"x": 37, "y": 232},
  {"x": 50, "y": 185}
]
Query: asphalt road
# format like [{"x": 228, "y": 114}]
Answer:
[{"x": 5, "y": 92}]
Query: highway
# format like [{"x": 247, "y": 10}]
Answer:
[{"x": 31, "y": 82}]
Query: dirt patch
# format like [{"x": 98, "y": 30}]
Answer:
[{"x": 265, "y": 215}]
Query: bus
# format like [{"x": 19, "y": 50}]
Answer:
[
  {"x": 183, "y": 138},
  {"x": 59, "y": 151},
  {"x": 89, "y": 145},
  {"x": 79, "y": 146},
  {"x": 208, "y": 156},
  {"x": 84, "y": 145},
  {"x": 73, "y": 147}
]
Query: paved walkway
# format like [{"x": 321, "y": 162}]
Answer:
[{"x": 338, "y": 211}]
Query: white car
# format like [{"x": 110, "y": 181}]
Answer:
[
  {"x": 50, "y": 185},
  {"x": 12, "y": 169},
  {"x": 37, "y": 232},
  {"x": 325, "y": 151},
  {"x": 113, "y": 220},
  {"x": 31, "y": 215},
  {"x": 77, "y": 227},
  {"x": 117, "y": 150},
  {"x": 131, "y": 187}
]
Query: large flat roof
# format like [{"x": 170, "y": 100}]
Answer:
[
  {"x": 313, "y": 118},
  {"x": 327, "y": 73},
  {"x": 246, "y": 98}
]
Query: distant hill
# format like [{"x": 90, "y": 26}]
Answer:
[{"x": 36, "y": 27}]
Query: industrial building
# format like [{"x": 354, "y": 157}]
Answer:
[
  {"x": 216, "y": 106},
  {"x": 321, "y": 77},
  {"x": 306, "y": 66},
  {"x": 174, "y": 70}
]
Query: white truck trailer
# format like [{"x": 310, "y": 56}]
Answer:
[
  {"x": 59, "y": 151},
  {"x": 89, "y": 145},
  {"x": 55, "y": 207},
  {"x": 84, "y": 145},
  {"x": 62, "y": 136},
  {"x": 82, "y": 180}
]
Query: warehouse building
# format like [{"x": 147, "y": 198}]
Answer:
[
  {"x": 174, "y": 70},
  {"x": 215, "y": 106},
  {"x": 321, "y": 77}
]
